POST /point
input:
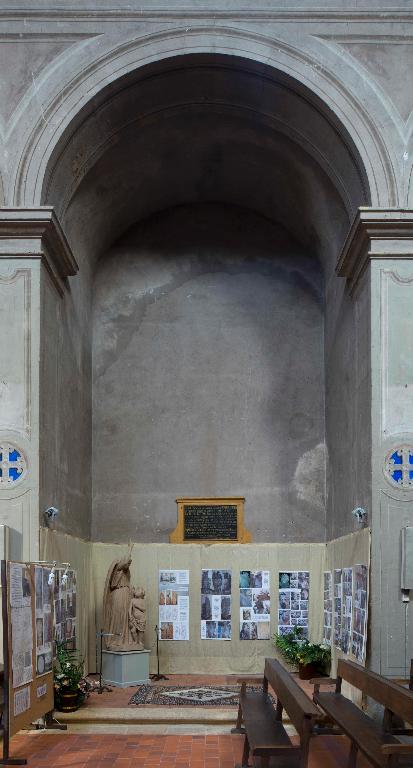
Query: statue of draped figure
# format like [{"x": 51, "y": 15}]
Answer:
[{"x": 117, "y": 598}]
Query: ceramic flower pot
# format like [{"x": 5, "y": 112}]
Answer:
[
  {"x": 307, "y": 671},
  {"x": 68, "y": 701}
]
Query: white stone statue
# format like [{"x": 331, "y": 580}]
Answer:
[
  {"x": 137, "y": 616},
  {"x": 117, "y": 608}
]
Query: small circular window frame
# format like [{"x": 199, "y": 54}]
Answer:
[
  {"x": 13, "y": 465},
  {"x": 398, "y": 467}
]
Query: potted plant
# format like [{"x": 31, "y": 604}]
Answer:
[
  {"x": 312, "y": 659},
  {"x": 70, "y": 686}
]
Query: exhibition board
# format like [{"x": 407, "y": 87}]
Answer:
[
  {"x": 30, "y": 687},
  {"x": 196, "y": 655},
  {"x": 200, "y": 655}
]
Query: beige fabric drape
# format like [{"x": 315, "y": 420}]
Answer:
[
  {"x": 92, "y": 561},
  {"x": 65, "y": 548}
]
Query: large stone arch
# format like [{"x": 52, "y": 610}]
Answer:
[{"x": 345, "y": 108}]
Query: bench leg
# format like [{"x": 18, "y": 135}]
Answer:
[
  {"x": 238, "y": 726},
  {"x": 246, "y": 753},
  {"x": 352, "y": 758}
]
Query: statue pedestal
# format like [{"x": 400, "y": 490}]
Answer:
[{"x": 124, "y": 668}]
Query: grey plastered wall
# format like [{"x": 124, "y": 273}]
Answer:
[
  {"x": 208, "y": 376},
  {"x": 348, "y": 404},
  {"x": 392, "y": 422},
  {"x": 65, "y": 404}
]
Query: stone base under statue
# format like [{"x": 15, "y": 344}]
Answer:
[{"x": 124, "y": 668}]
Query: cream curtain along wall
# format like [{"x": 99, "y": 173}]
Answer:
[{"x": 92, "y": 560}]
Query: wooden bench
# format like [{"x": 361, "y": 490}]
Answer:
[
  {"x": 378, "y": 741},
  {"x": 265, "y": 734}
]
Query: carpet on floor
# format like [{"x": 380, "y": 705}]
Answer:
[{"x": 191, "y": 696}]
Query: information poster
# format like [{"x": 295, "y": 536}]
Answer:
[
  {"x": 293, "y": 597},
  {"x": 21, "y": 701},
  {"x": 328, "y": 607},
  {"x": 254, "y": 601},
  {"x": 338, "y": 606},
  {"x": 173, "y": 605},
  {"x": 346, "y": 624},
  {"x": 358, "y": 646},
  {"x": 64, "y": 593},
  {"x": 44, "y": 629},
  {"x": 216, "y": 605},
  {"x": 20, "y": 594}
]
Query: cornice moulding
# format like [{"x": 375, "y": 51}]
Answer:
[
  {"x": 376, "y": 233},
  {"x": 27, "y": 233}
]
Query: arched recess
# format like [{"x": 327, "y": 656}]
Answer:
[
  {"x": 224, "y": 131},
  {"x": 206, "y": 127},
  {"x": 108, "y": 69}
]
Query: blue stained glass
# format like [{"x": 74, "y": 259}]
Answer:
[
  {"x": 396, "y": 458},
  {"x": 410, "y": 458},
  {"x": 411, "y": 474},
  {"x": 1, "y": 457},
  {"x": 14, "y": 455},
  {"x": 397, "y": 475},
  {"x": 14, "y": 473},
  {"x": 1, "y": 472}
]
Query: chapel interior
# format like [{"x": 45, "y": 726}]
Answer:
[{"x": 206, "y": 237}]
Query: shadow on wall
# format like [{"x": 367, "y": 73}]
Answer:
[{"x": 208, "y": 375}]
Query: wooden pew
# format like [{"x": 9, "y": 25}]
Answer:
[
  {"x": 265, "y": 734},
  {"x": 378, "y": 741}
]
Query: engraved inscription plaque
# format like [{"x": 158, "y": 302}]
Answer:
[{"x": 210, "y": 521}]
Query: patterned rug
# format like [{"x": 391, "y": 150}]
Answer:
[{"x": 191, "y": 695}]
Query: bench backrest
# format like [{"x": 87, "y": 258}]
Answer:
[
  {"x": 391, "y": 695},
  {"x": 296, "y": 703}
]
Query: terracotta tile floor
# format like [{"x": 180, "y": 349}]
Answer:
[
  {"x": 85, "y": 751},
  {"x": 154, "y": 749}
]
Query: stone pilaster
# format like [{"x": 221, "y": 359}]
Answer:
[
  {"x": 33, "y": 249},
  {"x": 379, "y": 250}
]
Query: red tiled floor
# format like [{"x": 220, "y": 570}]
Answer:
[{"x": 120, "y": 751}]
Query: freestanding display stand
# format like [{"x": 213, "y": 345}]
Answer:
[
  {"x": 37, "y": 689},
  {"x": 5, "y": 722},
  {"x": 158, "y": 676}
]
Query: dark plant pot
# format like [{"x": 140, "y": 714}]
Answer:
[
  {"x": 68, "y": 701},
  {"x": 307, "y": 671}
]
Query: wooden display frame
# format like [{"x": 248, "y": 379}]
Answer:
[
  {"x": 39, "y": 706},
  {"x": 243, "y": 535}
]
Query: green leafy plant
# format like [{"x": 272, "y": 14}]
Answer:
[
  {"x": 297, "y": 650},
  {"x": 68, "y": 674}
]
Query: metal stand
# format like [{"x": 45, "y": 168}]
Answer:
[
  {"x": 51, "y": 724},
  {"x": 103, "y": 634},
  {"x": 158, "y": 676},
  {"x": 5, "y": 722}
]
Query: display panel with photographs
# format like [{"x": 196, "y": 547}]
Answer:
[
  {"x": 216, "y": 605},
  {"x": 173, "y": 605},
  {"x": 20, "y": 597},
  {"x": 338, "y": 606},
  {"x": 293, "y": 601},
  {"x": 360, "y": 606},
  {"x": 65, "y": 598},
  {"x": 254, "y": 600},
  {"x": 328, "y": 607},
  {"x": 347, "y": 610},
  {"x": 44, "y": 618}
]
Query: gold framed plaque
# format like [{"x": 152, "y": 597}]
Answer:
[{"x": 210, "y": 521}]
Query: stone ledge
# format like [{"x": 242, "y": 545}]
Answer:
[
  {"x": 138, "y": 715},
  {"x": 376, "y": 233},
  {"x": 35, "y": 233}
]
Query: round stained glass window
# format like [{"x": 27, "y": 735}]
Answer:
[
  {"x": 398, "y": 468},
  {"x": 13, "y": 465}
]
